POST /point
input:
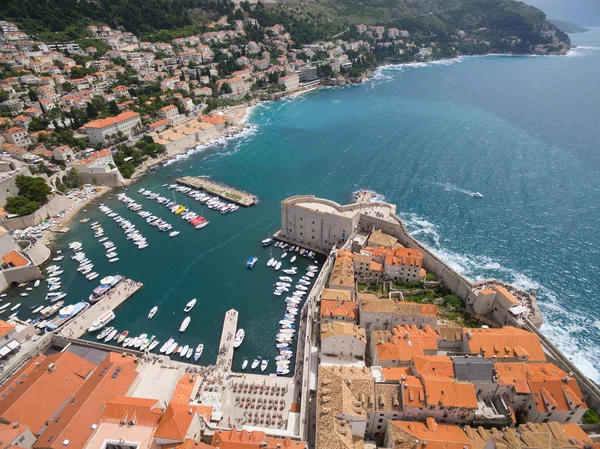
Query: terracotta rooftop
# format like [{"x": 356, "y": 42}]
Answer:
[
  {"x": 102, "y": 123},
  {"x": 433, "y": 366},
  {"x": 74, "y": 421},
  {"x": 448, "y": 393},
  {"x": 379, "y": 237},
  {"x": 506, "y": 341},
  {"x": 332, "y": 308},
  {"x": 5, "y": 328},
  {"x": 418, "y": 435},
  {"x": 140, "y": 411},
  {"x": 342, "y": 391},
  {"x": 343, "y": 329},
  {"x": 408, "y": 341},
  {"x": 41, "y": 386},
  {"x": 234, "y": 439},
  {"x": 335, "y": 294},
  {"x": 342, "y": 274}
]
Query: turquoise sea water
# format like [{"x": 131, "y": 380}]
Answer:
[{"x": 521, "y": 130}]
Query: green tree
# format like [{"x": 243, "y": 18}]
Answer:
[
  {"x": 33, "y": 188},
  {"x": 226, "y": 88},
  {"x": 113, "y": 108},
  {"x": 4, "y": 96},
  {"x": 20, "y": 205}
]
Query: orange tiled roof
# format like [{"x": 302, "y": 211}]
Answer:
[
  {"x": 34, "y": 393},
  {"x": 505, "y": 341},
  {"x": 175, "y": 422},
  {"x": 331, "y": 308},
  {"x": 433, "y": 366},
  {"x": 450, "y": 393},
  {"x": 414, "y": 392},
  {"x": 250, "y": 440},
  {"x": 15, "y": 259},
  {"x": 5, "y": 328},
  {"x": 159, "y": 123},
  {"x": 409, "y": 341},
  {"x": 498, "y": 289},
  {"x": 184, "y": 388},
  {"x": 436, "y": 436},
  {"x": 144, "y": 412},
  {"x": 396, "y": 373},
  {"x": 111, "y": 120},
  {"x": 113, "y": 377}
]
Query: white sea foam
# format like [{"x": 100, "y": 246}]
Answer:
[
  {"x": 564, "y": 327},
  {"x": 579, "y": 52},
  {"x": 242, "y": 136}
]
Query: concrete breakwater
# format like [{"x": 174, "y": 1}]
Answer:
[{"x": 222, "y": 191}]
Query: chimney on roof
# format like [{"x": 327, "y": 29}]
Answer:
[
  {"x": 469, "y": 334},
  {"x": 52, "y": 367},
  {"x": 190, "y": 411}
]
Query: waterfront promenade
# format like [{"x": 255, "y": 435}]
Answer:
[{"x": 121, "y": 293}]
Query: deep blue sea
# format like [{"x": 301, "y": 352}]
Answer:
[{"x": 524, "y": 131}]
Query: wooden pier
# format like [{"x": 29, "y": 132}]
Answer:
[
  {"x": 225, "y": 357},
  {"x": 121, "y": 293},
  {"x": 222, "y": 191}
]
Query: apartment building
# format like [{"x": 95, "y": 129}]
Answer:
[{"x": 101, "y": 131}]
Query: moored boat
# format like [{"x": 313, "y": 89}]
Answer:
[
  {"x": 152, "y": 312},
  {"x": 184, "y": 324},
  {"x": 256, "y": 362},
  {"x": 198, "y": 352},
  {"x": 102, "y": 321},
  {"x": 239, "y": 338}
]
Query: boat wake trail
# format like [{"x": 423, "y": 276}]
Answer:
[{"x": 452, "y": 188}]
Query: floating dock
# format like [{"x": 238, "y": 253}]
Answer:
[
  {"x": 121, "y": 293},
  {"x": 222, "y": 191},
  {"x": 225, "y": 357}
]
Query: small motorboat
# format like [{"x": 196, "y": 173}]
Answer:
[
  {"x": 113, "y": 260},
  {"x": 152, "y": 312},
  {"x": 245, "y": 364},
  {"x": 184, "y": 324},
  {"x": 122, "y": 336},
  {"x": 188, "y": 353},
  {"x": 251, "y": 261},
  {"x": 286, "y": 279},
  {"x": 293, "y": 259},
  {"x": 239, "y": 338},
  {"x": 173, "y": 234},
  {"x": 256, "y": 362},
  {"x": 190, "y": 305},
  {"x": 37, "y": 283},
  {"x": 153, "y": 345},
  {"x": 184, "y": 351},
  {"x": 24, "y": 294},
  {"x": 267, "y": 241},
  {"x": 284, "y": 255},
  {"x": 198, "y": 352},
  {"x": 477, "y": 195},
  {"x": 264, "y": 364},
  {"x": 271, "y": 262},
  {"x": 278, "y": 266}
]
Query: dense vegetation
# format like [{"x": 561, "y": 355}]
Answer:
[
  {"x": 55, "y": 20},
  {"x": 33, "y": 192},
  {"x": 62, "y": 20}
]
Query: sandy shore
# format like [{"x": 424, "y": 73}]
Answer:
[{"x": 78, "y": 204}]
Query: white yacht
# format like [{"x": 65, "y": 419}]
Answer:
[
  {"x": 153, "y": 311},
  {"x": 198, "y": 352},
  {"x": 185, "y": 323},
  {"x": 239, "y": 338},
  {"x": 190, "y": 305}
]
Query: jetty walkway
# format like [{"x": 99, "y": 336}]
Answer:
[
  {"x": 225, "y": 357},
  {"x": 121, "y": 293},
  {"x": 222, "y": 191}
]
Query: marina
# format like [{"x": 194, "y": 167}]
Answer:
[
  {"x": 121, "y": 293},
  {"x": 228, "y": 193}
]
